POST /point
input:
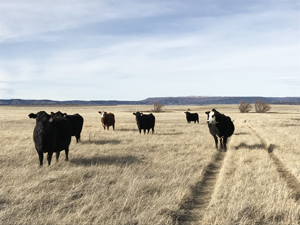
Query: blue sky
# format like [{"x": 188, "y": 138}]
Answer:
[{"x": 131, "y": 50}]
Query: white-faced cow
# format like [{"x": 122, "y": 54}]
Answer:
[
  {"x": 220, "y": 126},
  {"x": 107, "y": 120},
  {"x": 192, "y": 117},
  {"x": 145, "y": 121},
  {"x": 50, "y": 135},
  {"x": 76, "y": 122}
]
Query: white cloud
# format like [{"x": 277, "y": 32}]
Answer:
[{"x": 177, "y": 47}]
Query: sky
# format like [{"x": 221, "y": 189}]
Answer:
[{"x": 135, "y": 49}]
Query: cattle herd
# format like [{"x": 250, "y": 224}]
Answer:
[{"x": 53, "y": 132}]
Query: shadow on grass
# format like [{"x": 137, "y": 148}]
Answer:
[
  {"x": 127, "y": 129},
  {"x": 250, "y": 147},
  {"x": 101, "y": 142},
  {"x": 175, "y": 133},
  {"x": 106, "y": 160},
  {"x": 241, "y": 133}
]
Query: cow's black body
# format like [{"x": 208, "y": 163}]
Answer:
[
  {"x": 222, "y": 127},
  {"x": 50, "y": 135},
  {"x": 76, "y": 122},
  {"x": 145, "y": 122},
  {"x": 192, "y": 117}
]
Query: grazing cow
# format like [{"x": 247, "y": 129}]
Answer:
[
  {"x": 51, "y": 135},
  {"x": 192, "y": 117},
  {"x": 145, "y": 122},
  {"x": 76, "y": 122},
  {"x": 220, "y": 126},
  {"x": 107, "y": 120}
]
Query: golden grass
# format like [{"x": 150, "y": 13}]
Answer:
[{"x": 122, "y": 177}]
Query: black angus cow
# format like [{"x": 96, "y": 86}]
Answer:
[
  {"x": 76, "y": 122},
  {"x": 220, "y": 126},
  {"x": 145, "y": 121},
  {"x": 192, "y": 117},
  {"x": 51, "y": 135}
]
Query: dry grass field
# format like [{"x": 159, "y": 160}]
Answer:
[{"x": 174, "y": 176}]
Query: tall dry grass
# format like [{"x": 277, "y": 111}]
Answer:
[{"x": 122, "y": 177}]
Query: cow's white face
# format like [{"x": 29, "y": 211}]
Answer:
[
  {"x": 211, "y": 118},
  {"x": 103, "y": 114}
]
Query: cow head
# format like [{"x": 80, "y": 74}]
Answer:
[
  {"x": 212, "y": 116},
  {"x": 137, "y": 114},
  {"x": 102, "y": 113},
  {"x": 58, "y": 114},
  {"x": 41, "y": 117}
]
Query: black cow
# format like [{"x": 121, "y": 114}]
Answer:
[
  {"x": 192, "y": 117},
  {"x": 220, "y": 126},
  {"x": 145, "y": 122},
  {"x": 51, "y": 135},
  {"x": 75, "y": 120}
]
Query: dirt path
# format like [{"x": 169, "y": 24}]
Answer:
[
  {"x": 202, "y": 192},
  {"x": 289, "y": 178}
]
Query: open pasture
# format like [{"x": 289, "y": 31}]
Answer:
[{"x": 175, "y": 176}]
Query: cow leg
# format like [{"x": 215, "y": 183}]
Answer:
[
  {"x": 153, "y": 130},
  {"x": 225, "y": 143},
  {"x": 41, "y": 157},
  {"x": 113, "y": 126},
  {"x": 140, "y": 130},
  {"x": 144, "y": 131},
  {"x": 77, "y": 138},
  {"x": 148, "y": 131},
  {"x": 216, "y": 142},
  {"x": 67, "y": 154},
  {"x": 49, "y": 157},
  {"x": 222, "y": 143},
  {"x": 57, "y": 156},
  {"x": 107, "y": 127}
]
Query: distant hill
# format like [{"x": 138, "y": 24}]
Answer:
[{"x": 191, "y": 100}]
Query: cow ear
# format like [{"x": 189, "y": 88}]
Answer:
[
  {"x": 99, "y": 112},
  {"x": 207, "y": 112},
  {"x": 32, "y": 115},
  {"x": 134, "y": 113}
]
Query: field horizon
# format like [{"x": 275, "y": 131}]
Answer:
[{"x": 174, "y": 176}]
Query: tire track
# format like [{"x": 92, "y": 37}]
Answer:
[
  {"x": 193, "y": 209},
  {"x": 291, "y": 181}
]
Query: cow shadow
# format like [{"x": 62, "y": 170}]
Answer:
[
  {"x": 241, "y": 133},
  {"x": 106, "y": 160},
  {"x": 167, "y": 134},
  {"x": 250, "y": 147},
  {"x": 101, "y": 142},
  {"x": 126, "y": 129}
]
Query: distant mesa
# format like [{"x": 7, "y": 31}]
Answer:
[{"x": 190, "y": 100}]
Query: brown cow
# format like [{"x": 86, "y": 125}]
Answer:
[{"x": 107, "y": 120}]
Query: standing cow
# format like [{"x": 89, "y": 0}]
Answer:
[
  {"x": 107, "y": 120},
  {"x": 145, "y": 122},
  {"x": 76, "y": 122},
  {"x": 51, "y": 135},
  {"x": 192, "y": 117},
  {"x": 220, "y": 126}
]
